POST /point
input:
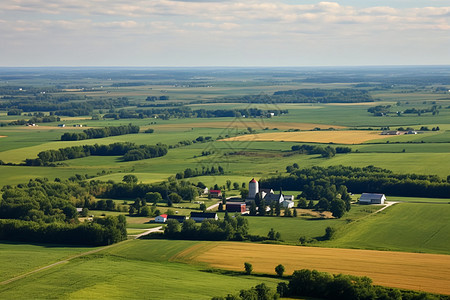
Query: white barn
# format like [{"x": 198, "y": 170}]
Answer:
[{"x": 369, "y": 198}]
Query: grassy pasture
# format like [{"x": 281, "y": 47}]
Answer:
[
  {"x": 129, "y": 270},
  {"x": 413, "y": 227},
  {"x": 18, "y": 258},
  {"x": 292, "y": 228},
  {"x": 426, "y": 272}
]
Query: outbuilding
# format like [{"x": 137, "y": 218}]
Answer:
[
  {"x": 179, "y": 218},
  {"x": 215, "y": 193},
  {"x": 161, "y": 219},
  {"x": 239, "y": 207},
  {"x": 370, "y": 198},
  {"x": 200, "y": 216}
]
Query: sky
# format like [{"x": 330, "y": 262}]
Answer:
[{"x": 224, "y": 33}]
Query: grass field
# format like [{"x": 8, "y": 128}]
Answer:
[
  {"x": 133, "y": 270},
  {"x": 17, "y": 258},
  {"x": 413, "y": 227},
  {"x": 426, "y": 272}
]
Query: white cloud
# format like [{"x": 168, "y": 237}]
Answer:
[{"x": 256, "y": 24}]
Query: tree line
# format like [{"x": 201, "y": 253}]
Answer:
[
  {"x": 362, "y": 180},
  {"x": 187, "y": 112},
  {"x": 306, "y": 96},
  {"x": 129, "y": 152},
  {"x": 96, "y": 133},
  {"x": 228, "y": 229},
  {"x": 312, "y": 283},
  {"x": 60, "y": 105},
  {"x": 326, "y": 152},
  {"x": 98, "y": 232}
]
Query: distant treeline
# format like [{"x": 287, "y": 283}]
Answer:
[
  {"x": 361, "y": 180},
  {"x": 61, "y": 105},
  {"x": 307, "y": 96},
  {"x": 186, "y": 112},
  {"x": 312, "y": 283},
  {"x": 96, "y": 133},
  {"x": 98, "y": 232},
  {"x": 130, "y": 152}
]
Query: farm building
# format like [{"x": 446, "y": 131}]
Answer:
[
  {"x": 239, "y": 207},
  {"x": 178, "y": 218},
  {"x": 200, "y": 216},
  {"x": 215, "y": 193},
  {"x": 161, "y": 219},
  {"x": 369, "y": 198},
  {"x": 391, "y": 132},
  {"x": 253, "y": 188}
]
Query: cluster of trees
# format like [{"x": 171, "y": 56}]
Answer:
[
  {"x": 230, "y": 228},
  {"x": 312, "y": 283},
  {"x": 166, "y": 113},
  {"x": 130, "y": 152},
  {"x": 380, "y": 110},
  {"x": 259, "y": 292},
  {"x": 187, "y": 173},
  {"x": 98, "y": 232},
  {"x": 132, "y": 190},
  {"x": 37, "y": 118},
  {"x": 362, "y": 180},
  {"x": 199, "y": 139},
  {"x": 434, "y": 110},
  {"x": 326, "y": 152},
  {"x": 96, "y": 133},
  {"x": 43, "y": 211}
]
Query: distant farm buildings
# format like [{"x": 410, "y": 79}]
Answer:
[
  {"x": 369, "y": 198},
  {"x": 286, "y": 201}
]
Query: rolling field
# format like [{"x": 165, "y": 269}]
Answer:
[
  {"x": 134, "y": 270},
  {"x": 17, "y": 258},
  {"x": 336, "y": 137},
  {"x": 426, "y": 272},
  {"x": 413, "y": 227}
]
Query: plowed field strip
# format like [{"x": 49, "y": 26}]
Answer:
[{"x": 415, "y": 271}]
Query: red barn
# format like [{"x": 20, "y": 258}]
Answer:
[{"x": 239, "y": 207}]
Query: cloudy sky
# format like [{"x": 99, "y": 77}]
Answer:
[{"x": 224, "y": 33}]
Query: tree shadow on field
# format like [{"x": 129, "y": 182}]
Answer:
[
  {"x": 45, "y": 245},
  {"x": 237, "y": 273}
]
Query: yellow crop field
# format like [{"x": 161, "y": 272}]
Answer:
[
  {"x": 243, "y": 124},
  {"x": 415, "y": 271},
  {"x": 329, "y": 136}
]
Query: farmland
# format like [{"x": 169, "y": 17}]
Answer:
[
  {"x": 413, "y": 233},
  {"x": 401, "y": 270}
]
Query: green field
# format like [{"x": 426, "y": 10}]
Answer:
[
  {"x": 137, "y": 269},
  {"x": 133, "y": 270},
  {"x": 412, "y": 227}
]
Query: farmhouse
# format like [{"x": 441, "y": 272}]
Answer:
[
  {"x": 161, "y": 219},
  {"x": 200, "y": 216},
  {"x": 239, "y": 207},
  {"x": 215, "y": 193},
  {"x": 268, "y": 195},
  {"x": 369, "y": 198},
  {"x": 390, "y": 132},
  {"x": 180, "y": 219}
]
